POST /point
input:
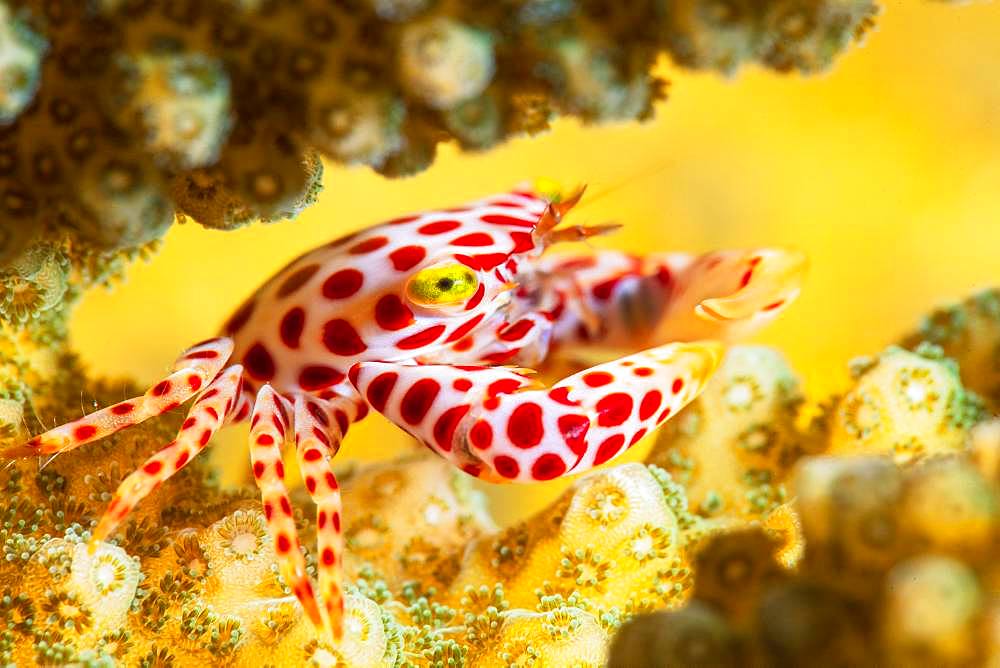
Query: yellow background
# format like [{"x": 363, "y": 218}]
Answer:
[{"x": 886, "y": 170}]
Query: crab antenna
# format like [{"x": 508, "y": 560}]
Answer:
[
  {"x": 555, "y": 211},
  {"x": 581, "y": 232}
]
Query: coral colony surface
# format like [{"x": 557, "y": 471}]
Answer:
[{"x": 762, "y": 529}]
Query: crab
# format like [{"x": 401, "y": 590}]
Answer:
[{"x": 433, "y": 320}]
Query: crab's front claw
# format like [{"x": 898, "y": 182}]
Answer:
[
  {"x": 729, "y": 294},
  {"x": 503, "y": 426}
]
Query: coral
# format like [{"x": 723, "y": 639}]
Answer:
[
  {"x": 119, "y": 117},
  {"x": 732, "y": 446}
]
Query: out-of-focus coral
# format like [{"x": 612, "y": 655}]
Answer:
[
  {"x": 118, "y": 116},
  {"x": 732, "y": 446},
  {"x": 969, "y": 333}
]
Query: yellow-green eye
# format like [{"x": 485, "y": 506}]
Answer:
[{"x": 447, "y": 284}]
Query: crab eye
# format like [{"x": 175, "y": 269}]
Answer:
[{"x": 439, "y": 286}]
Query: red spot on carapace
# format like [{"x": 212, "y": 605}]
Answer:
[
  {"x": 462, "y": 384},
  {"x": 340, "y": 338},
  {"x": 608, "y": 449},
  {"x": 418, "y": 399},
  {"x": 481, "y": 434},
  {"x": 368, "y": 245},
  {"x": 485, "y": 261},
  {"x": 342, "y": 284},
  {"x": 664, "y": 415},
  {"x": 474, "y": 239},
  {"x": 465, "y": 328},
  {"x": 499, "y": 219},
  {"x": 516, "y": 331},
  {"x": 636, "y": 437},
  {"x": 597, "y": 378},
  {"x": 84, "y": 431},
  {"x": 506, "y": 466},
  {"x": 258, "y": 362},
  {"x": 524, "y": 428},
  {"x": 574, "y": 430},
  {"x": 447, "y": 423},
  {"x": 560, "y": 395},
  {"x": 476, "y": 298},
  {"x": 291, "y": 327},
  {"x": 677, "y": 386},
  {"x": 407, "y": 257},
  {"x": 503, "y": 386},
  {"x": 522, "y": 241},
  {"x": 391, "y": 314},
  {"x": 194, "y": 382},
  {"x": 642, "y": 371},
  {"x": 614, "y": 409},
  {"x": 161, "y": 388},
  {"x": 380, "y": 388},
  {"x": 547, "y": 467},
  {"x": 318, "y": 376},
  {"x": 296, "y": 280},
  {"x": 265, "y": 439},
  {"x": 422, "y": 338},
  {"x": 237, "y": 321},
  {"x": 153, "y": 467},
  {"x": 439, "y": 227}
]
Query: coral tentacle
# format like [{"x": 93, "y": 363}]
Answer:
[{"x": 212, "y": 410}]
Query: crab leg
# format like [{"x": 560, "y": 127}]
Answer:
[
  {"x": 502, "y": 426},
  {"x": 269, "y": 427},
  {"x": 213, "y": 409},
  {"x": 320, "y": 426},
  {"x": 194, "y": 369}
]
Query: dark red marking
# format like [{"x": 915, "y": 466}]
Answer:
[
  {"x": 516, "y": 331},
  {"x": 677, "y": 386},
  {"x": 182, "y": 459},
  {"x": 524, "y": 429},
  {"x": 503, "y": 386},
  {"x": 547, "y": 467},
  {"x": 422, "y": 338},
  {"x": 403, "y": 220},
  {"x": 194, "y": 382},
  {"x": 202, "y": 355},
  {"x": 664, "y": 415},
  {"x": 439, "y": 227},
  {"x": 380, "y": 388},
  {"x": 342, "y": 421},
  {"x": 650, "y": 404},
  {"x": 279, "y": 469},
  {"x": 321, "y": 516},
  {"x": 284, "y": 544},
  {"x": 476, "y": 298},
  {"x": 296, "y": 280},
  {"x": 418, "y": 399},
  {"x": 259, "y": 363},
  {"x": 392, "y": 314},
  {"x": 204, "y": 438},
  {"x": 316, "y": 377},
  {"x": 317, "y": 411},
  {"x": 771, "y": 307},
  {"x": 472, "y": 469},
  {"x": 462, "y": 384},
  {"x": 258, "y": 469},
  {"x": 310, "y": 484},
  {"x": 329, "y": 558},
  {"x": 286, "y": 507},
  {"x": 122, "y": 409},
  {"x": 211, "y": 411},
  {"x": 560, "y": 395},
  {"x": 331, "y": 481},
  {"x": 574, "y": 430},
  {"x": 407, "y": 257},
  {"x": 614, "y": 409},
  {"x": 522, "y": 241},
  {"x": 84, "y": 431},
  {"x": 342, "y": 284},
  {"x": 291, "y": 327},
  {"x": 604, "y": 289},
  {"x": 485, "y": 261},
  {"x": 239, "y": 319},
  {"x": 465, "y": 327},
  {"x": 746, "y": 278},
  {"x": 608, "y": 449},
  {"x": 474, "y": 239},
  {"x": 265, "y": 439},
  {"x": 161, "y": 388},
  {"x": 336, "y": 522},
  {"x": 642, "y": 371},
  {"x": 506, "y": 466},
  {"x": 368, "y": 245},
  {"x": 447, "y": 423},
  {"x": 637, "y": 437},
  {"x": 340, "y": 338},
  {"x": 481, "y": 434},
  {"x": 312, "y": 455},
  {"x": 500, "y": 219},
  {"x": 153, "y": 467},
  {"x": 597, "y": 378},
  {"x": 188, "y": 423}
]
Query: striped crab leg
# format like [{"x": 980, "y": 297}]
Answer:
[
  {"x": 320, "y": 426},
  {"x": 270, "y": 425},
  {"x": 193, "y": 370},
  {"x": 502, "y": 426},
  {"x": 215, "y": 407}
]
